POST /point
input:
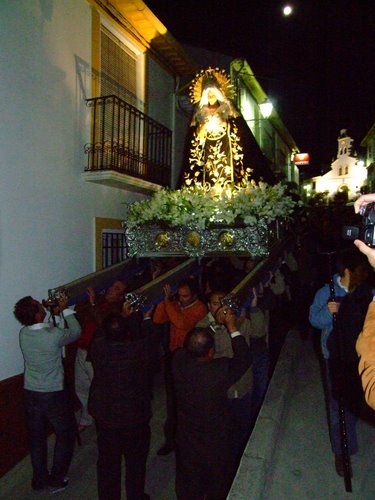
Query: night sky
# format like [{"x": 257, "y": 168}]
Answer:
[{"x": 317, "y": 65}]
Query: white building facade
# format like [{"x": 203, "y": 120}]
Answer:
[
  {"x": 51, "y": 206},
  {"x": 346, "y": 174}
]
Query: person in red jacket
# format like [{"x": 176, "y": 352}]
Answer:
[{"x": 183, "y": 312}]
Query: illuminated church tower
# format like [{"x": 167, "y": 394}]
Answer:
[
  {"x": 344, "y": 146},
  {"x": 346, "y": 174}
]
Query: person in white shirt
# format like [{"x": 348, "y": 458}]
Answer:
[{"x": 46, "y": 398}]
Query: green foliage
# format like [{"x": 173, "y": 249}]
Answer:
[{"x": 201, "y": 207}]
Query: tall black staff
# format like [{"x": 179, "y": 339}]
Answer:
[{"x": 343, "y": 433}]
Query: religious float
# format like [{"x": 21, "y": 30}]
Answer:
[
  {"x": 219, "y": 209},
  {"x": 199, "y": 221}
]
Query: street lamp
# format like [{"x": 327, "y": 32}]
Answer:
[{"x": 266, "y": 108}]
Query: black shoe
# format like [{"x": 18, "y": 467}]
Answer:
[
  {"x": 166, "y": 449},
  {"x": 56, "y": 486}
]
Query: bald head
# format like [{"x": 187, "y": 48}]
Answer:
[{"x": 199, "y": 342}]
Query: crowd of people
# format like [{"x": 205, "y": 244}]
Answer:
[{"x": 216, "y": 364}]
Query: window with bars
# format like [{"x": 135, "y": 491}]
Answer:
[{"x": 113, "y": 247}]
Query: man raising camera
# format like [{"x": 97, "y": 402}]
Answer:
[{"x": 46, "y": 398}]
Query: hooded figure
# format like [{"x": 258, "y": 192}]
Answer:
[
  {"x": 221, "y": 147},
  {"x": 215, "y": 156}
]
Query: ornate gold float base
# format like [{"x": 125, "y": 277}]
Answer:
[{"x": 156, "y": 241}]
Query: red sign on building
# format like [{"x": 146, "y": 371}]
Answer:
[{"x": 301, "y": 159}]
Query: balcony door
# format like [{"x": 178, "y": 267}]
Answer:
[
  {"x": 119, "y": 66},
  {"x": 121, "y": 132}
]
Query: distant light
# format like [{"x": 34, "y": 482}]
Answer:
[
  {"x": 360, "y": 163},
  {"x": 287, "y": 10}
]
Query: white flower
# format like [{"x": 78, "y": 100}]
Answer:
[{"x": 200, "y": 206}]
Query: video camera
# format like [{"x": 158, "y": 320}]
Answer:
[
  {"x": 54, "y": 296},
  {"x": 135, "y": 300},
  {"x": 232, "y": 302},
  {"x": 365, "y": 233}
]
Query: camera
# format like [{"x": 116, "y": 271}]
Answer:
[
  {"x": 232, "y": 302},
  {"x": 366, "y": 232},
  {"x": 135, "y": 300},
  {"x": 54, "y": 296}
]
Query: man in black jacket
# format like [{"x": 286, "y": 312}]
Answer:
[
  {"x": 204, "y": 466},
  {"x": 120, "y": 402}
]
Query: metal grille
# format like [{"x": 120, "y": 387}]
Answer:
[
  {"x": 126, "y": 140},
  {"x": 114, "y": 248}
]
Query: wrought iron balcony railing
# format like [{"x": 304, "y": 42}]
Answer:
[{"x": 126, "y": 140}]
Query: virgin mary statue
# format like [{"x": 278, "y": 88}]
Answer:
[{"x": 215, "y": 156}]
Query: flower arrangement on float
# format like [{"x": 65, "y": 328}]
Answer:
[
  {"x": 203, "y": 220},
  {"x": 202, "y": 207}
]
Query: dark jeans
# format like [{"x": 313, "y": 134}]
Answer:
[
  {"x": 56, "y": 409},
  {"x": 133, "y": 442}
]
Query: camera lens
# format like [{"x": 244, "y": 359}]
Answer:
[{"x": 369, "y": 236}]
